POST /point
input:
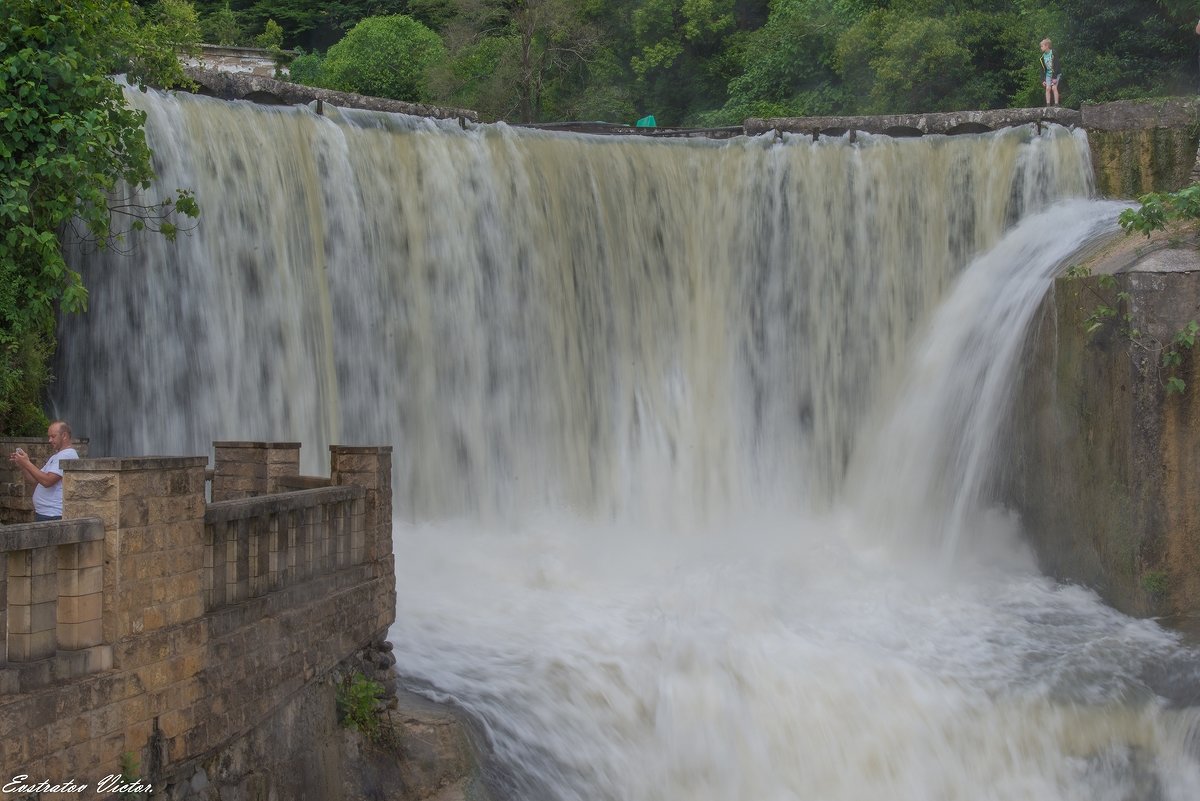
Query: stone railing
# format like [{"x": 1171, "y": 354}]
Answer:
[
  {"x": 51, "y": 599},
  {"x": 260, "y": 545},
  {"x": 16, "y": 489},
  {"x": 154, "y": 623}
]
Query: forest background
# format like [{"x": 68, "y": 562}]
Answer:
[{"x": 718, "y": 62}]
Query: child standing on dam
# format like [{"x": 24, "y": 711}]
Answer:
[{"x": 1051, "y": 73}]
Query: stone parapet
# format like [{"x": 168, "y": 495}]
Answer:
[
  {"x": 370, "y": 468},
  {"x": 16, "y": 489},
  {"x": 51, "y": 579},
  {"x": 247, "y": 469},
  {"x": 115, "y": 645}
]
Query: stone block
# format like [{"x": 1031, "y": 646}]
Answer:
[
  {"x": 30, "y": 647},
  {"x": 136, "y": 735},
  {"x": 132, "y": 511},
  {"x": 153, "y": 618},
  {"x": 99, "y": 658},
  {"x": 31, "y": 618},
  {"x": 175, "y": 722},
  {"x": 83, "y": 581},
  {"x": 138, "y": 652},
  {"x": 20, "y": 563},
  {"x": 20, "y": 591},
  {"x": 80, "y": 608},
  {"x": 89, "y": 487},
  {"x": 67, "y": 665}
]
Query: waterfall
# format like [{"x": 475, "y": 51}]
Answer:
[
  {"x": 535, "y": 320},
  {"x": 691, "y": 440}
]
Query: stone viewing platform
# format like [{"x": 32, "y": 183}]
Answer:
[{"x": 201, "y": 639}]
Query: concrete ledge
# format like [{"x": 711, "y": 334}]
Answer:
[
  {"x": 225, "y": 511},
  {"x": 360, "y": 449},
  {"x": 134, "y": 463},
  {"x": 303, "y": 482},
  {"x": 24, "y": 536},
  {"x": 24, "y": 677},
  {"x": 260, "y": 89},
  {"x": 1137, "y": 115},
  {"x": 257, "y": 445},
  {"x": 917, "y": 124}
]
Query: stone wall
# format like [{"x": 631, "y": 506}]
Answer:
[
  {"x": 16, "y": 489},
  {"x": 188, "y": 676},
  {"x": 237, "y": 60},
  {"x": 1141, "y": 146},
  {"x": 1104, "y": 459}
]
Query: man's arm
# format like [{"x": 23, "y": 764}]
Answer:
[{"x": 40, "y": 476}]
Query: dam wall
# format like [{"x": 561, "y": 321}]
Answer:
[{"x": 1103, "y": 455}]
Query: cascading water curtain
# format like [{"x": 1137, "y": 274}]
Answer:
[{"x": 535, "y": 320}]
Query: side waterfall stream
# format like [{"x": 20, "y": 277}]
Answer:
[{"x": 691, "y": 440}]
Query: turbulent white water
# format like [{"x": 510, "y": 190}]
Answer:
[{"x": 692, "y": 440}]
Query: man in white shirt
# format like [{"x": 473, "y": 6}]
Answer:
[{"x": 47, "y": 495}]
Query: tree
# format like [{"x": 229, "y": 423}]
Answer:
[
  {"x": 383, "y": 57},
  {"x": 786, "y": 67},
  {"x": 221, "y": 27},
  {"x": 678, "y": 55},
  {"x": 67, "y": 142},
  {"x": 314, "y": 24},
  {"x": 509, "y": 57}
]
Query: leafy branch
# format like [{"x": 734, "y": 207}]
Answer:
[{"x": 1158, "y": 209}]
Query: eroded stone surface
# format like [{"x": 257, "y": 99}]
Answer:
[{"x": 1104, "y": 460}]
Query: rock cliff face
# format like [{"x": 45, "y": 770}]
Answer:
[{"x": 1105, "y": 459}]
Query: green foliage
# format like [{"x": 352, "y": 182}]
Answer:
[
  {"x": 314, "y": 24},
  {"x": 130, "y": 774},
  {"x": 271, "y": 38},
  {"x": 527, "y": 59},
  {"x": 358, "y": 704},
  {"x": 1158, "y": 209},
  {"x": 67, "y": 141},
  {"x": 903, "y": 63},
  {"x": 305, "y": 69},
  {"x": 786, "y": 67},
  {"x": 167, "y": 28},
  {"x": 1156, "y": 583},
  {"x": 1124, "y": 48},
  {"x": 384, "y": 57},
  {"x": 679, "y": 56},
  {"x": 221, "y": 27}
]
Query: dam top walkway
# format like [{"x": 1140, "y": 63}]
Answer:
[{"x": 1174, "y": 112}]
